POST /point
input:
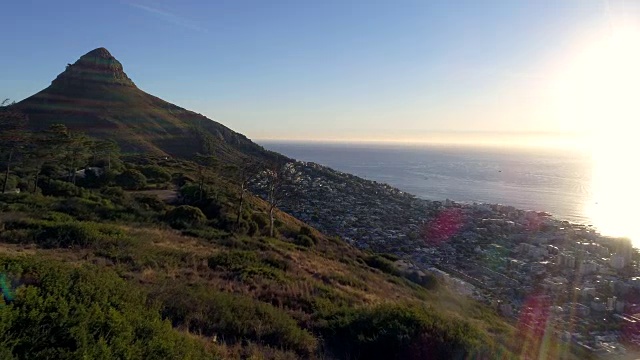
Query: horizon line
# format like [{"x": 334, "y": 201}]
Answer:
[{"x": 470, "y": 138}]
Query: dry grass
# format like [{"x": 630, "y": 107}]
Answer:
[{"x": 163, "y": 257}]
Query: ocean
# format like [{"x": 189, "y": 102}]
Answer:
[{"x": 551, "y": 180}]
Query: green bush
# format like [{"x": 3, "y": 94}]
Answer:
[
  {"x": 131, "y": 179},
  {"x": 215, "y": 209},
  {"x": 390, "y": 257},
  {"x": 12, "y": 182},
  {"x": 60, "y": 188},
  {"x": 427, "y": 281},
  {"x": 16, "y": 236},
  {"x": 151, "y": 202},
  {"x": 382, "y": 264},
  {"x": 305, "y": 230},
  {"x": 115, "y": 194},
  {"x": 25, "y": 185},
  {"x": 240, "y": 259},
  {"x": 59, "y": 312},
  {"x": 245, "y": 265},
  {"x": 305, "y": 241},
  {"x": 233, "y": 260},
  {"x": 402, "y": 332},
  {"x": 261, "y": 273},
  {"x": 241, "y": 228},
  {"x": 53, "y": 234},
  {"x": 207, "y": 233},
  {"x": 276, "y": 262},
  {"x": 305, "y": 237},
  {"x": 155, "y": 173},
  {"x": 56, "y": 216},
  {"x": 95, "y": 181},
  {"x": 348, "y": 280},
  {"x": 191, "y": 193},
  {"x": 261, "y": 220},
  {"x": 86, "y": 209},
  {"x": 181, "y": 180},
  {"x": 253, "y": 228},
  {"x": 68, "y": 235},
  {"x": 236, "y": 318},
  {"x": 185, "y": 216}
]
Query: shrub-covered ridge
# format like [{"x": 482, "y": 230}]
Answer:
[{"x": 183, "y": 269}]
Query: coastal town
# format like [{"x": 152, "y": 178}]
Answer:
[{"x": 546, "y": 275}]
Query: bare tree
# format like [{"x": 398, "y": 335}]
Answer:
[
  {"x": 204, "y": 162},
  {"x": 278, "y": 185},
  {"x": 244, "y": 174}
]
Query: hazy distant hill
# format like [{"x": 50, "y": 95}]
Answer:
[{"x": 96, "y": 96}]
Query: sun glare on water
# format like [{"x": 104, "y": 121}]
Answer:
[{"x": 601, "y": 92}]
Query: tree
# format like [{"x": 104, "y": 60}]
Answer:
[
  {"x": 72, "y": 149},
  {"x": 46, "y": 147},
  {"x": 13, "y": 136},
  {"x": 77, "y": 153},
  {"x": 105, "y": 151},
  {"x": 185, "y": 216},
  {"x": 131, "y": 179},
  {"x": 37, "y": 154},
  {"x": 204, "y": 162},
  {"x": 244, "y": 174},
  {"x": 276, "y": 181}
]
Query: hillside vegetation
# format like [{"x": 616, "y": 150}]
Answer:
[{"x": 99, "y": 271}]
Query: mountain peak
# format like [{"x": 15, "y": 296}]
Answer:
[
  {"x": 100, "y": 52},
  {"x": 97, "y": 66},
  {"x": 95, "y": 96}
]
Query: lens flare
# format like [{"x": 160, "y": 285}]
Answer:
[{"x": 598, "y": 93}]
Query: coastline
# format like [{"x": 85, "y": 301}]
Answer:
[{"x": 541, "y": 180}]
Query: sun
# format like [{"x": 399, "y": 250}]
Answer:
[
  {"x": 598, "y": 89},
  {"x": 600, "y": 92}
]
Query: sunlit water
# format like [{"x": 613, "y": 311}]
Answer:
[{"x": 572, "y": 185}]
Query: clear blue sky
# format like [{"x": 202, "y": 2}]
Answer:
[{"x": 321, "y": 69}]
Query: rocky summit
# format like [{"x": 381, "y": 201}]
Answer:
[{"x": 95, "y": 67}]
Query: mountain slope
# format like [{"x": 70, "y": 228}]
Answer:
[
  {"x": 236, "y": 291},
  {"x": 96, "y": 96}
]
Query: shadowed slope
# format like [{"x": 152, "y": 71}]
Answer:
[{"x": 94, "y": 95}]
